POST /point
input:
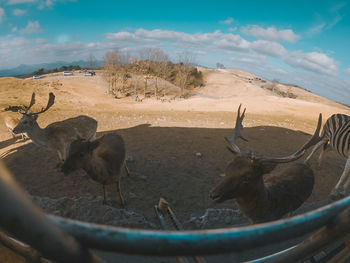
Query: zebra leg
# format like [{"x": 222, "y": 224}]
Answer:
[
  {"x": 318, "y": 145},
  {"x": 339, "y": 190}
]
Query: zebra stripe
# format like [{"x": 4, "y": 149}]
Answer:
[{"x": 337, "y": 130}]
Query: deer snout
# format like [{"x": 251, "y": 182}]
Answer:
[
  {"x": 216, "y": 196},
  {"x": 16, "y": 130}
]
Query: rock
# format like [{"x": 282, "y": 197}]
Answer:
[
  {"x": 199, "y": 155},
  {"x": 217, "y": 218},
  {"x": 91, "y": 209}
]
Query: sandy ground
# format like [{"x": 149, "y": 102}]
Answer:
[{"x": 163, "y": 139}]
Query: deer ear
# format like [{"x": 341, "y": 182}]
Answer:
[
  {"x": 267, "y": 166},
  {"x": 263, "y": 167}
]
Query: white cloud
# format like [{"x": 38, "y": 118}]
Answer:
[
  {"x": 142, "y": 35},
  {"x": 314, "y": 61},
  {"x": 229, "y": 43},
  {"x": 15, "y": 2},
  {"x": 271, "y": 33},
  {"x": 232, "y": 29},
  {"x": 268, "y": 48},
  {"x": 347, "y": 71},
  {"x": 31, "y": 28},
  {"x": 328, "y": 21},
  {"x": 41, "y": 41},
  {"x": 19, "y": 12},
  {"x": 316, "y": 29},
  {"x": 2, "y": 15},
  {"x": 228, "y": 21}
]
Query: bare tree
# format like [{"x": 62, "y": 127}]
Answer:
[
  {"x": 185, "y": 59},
  {"x": 111, "y": 63},
  {"x": 153, "y": 54}
]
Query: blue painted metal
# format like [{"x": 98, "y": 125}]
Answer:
[{"x": 201, "y": 242}]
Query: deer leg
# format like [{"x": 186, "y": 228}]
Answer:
[
  {"x": 318, "y": 145},
  {"x": 104, "y": 194},
  {"x": 119, "y": 190},
  {"x": 339, "y": 190},
  {"x": 126, "y": 169}
]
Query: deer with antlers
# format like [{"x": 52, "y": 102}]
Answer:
[
  {"x": 58, "y": 135},
  {"x": 270, "y": 198}
]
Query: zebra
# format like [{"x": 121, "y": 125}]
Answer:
[{"x": 336, "y": 135}]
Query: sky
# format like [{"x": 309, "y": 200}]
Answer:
[{"x": 299, "y": 42}]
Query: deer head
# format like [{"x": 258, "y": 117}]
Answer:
[
  {"x": 245, "y": 172},
  {"x": 79, "y": 152},
  {"x": 28, "y": 119}
]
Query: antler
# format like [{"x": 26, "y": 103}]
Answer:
[
  {"x": 49, "y": 104},
  {"x": 238, "y": 128},
  {"x": 314, "y": 140},
  {"x": 32, "y": 102}
]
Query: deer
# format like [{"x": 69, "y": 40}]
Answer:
[
  {"x": 56, "y": 136},
  {"x": 102, "y": 159},
  {"x": 260, "y": 198}
]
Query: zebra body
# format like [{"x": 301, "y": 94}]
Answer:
[
  {"x": 336, "y": 135},
  {"x": 337, "y": 131}
]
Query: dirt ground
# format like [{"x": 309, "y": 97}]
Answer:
[{"x": 163, "y": 140}]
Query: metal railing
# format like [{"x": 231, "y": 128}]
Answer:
[{"x": 66, "y": 240}]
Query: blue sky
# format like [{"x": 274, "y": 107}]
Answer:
[{"x": 301, "y": 42}]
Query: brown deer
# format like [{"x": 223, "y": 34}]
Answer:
[
  {"x": 58, "y": 135},
  {"x": 102, "y": 159},
  {"x": 270, "y": 198}
]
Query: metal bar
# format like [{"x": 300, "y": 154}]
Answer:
[
  {"x": 342, "y": 256},
  {"x": 269, "y": 257},
  {"x": 200, "y": 242},
  {"x": 26, "y": 222},
  {"x": 179, "y": 226},
  {"x": 164, "y": 226},
  {"x": 29, "y": 254},
  {"x": 335, "y": 230}
]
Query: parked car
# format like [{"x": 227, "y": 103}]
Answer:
[
  {"x": 89, "y": 73},
  {"x": 67, "y": 73},
  {"x": 37, "y": 77}
]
